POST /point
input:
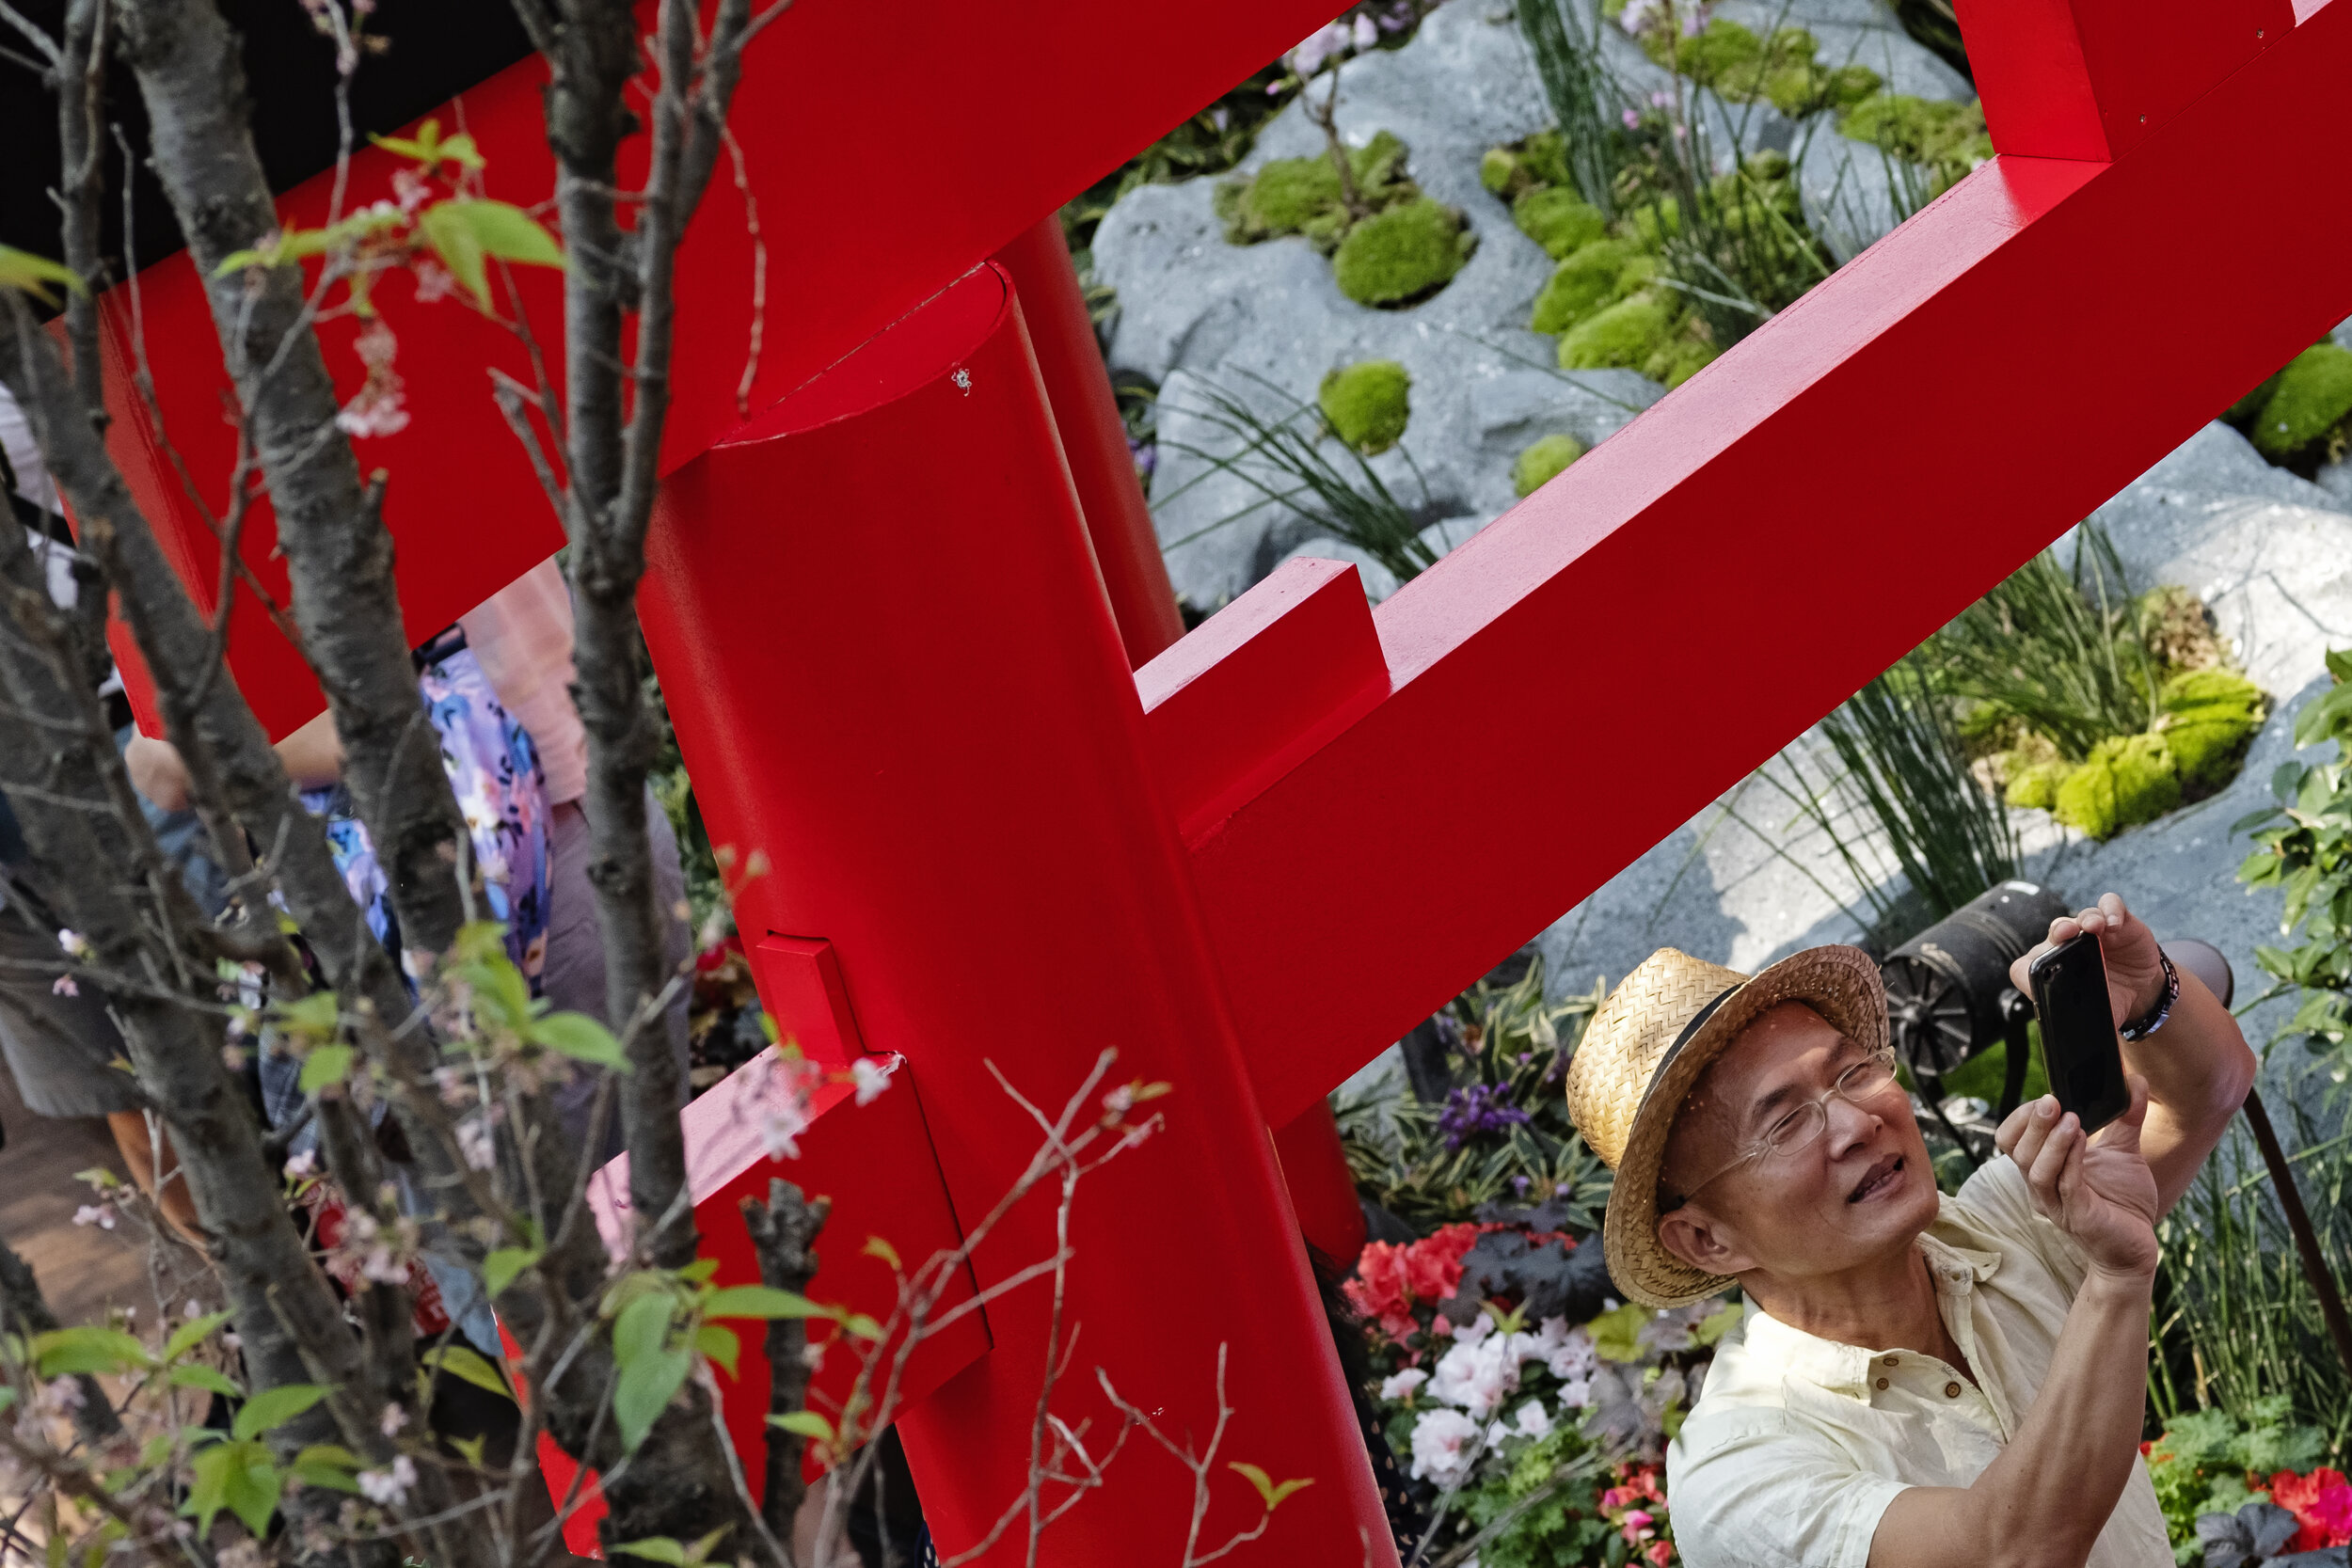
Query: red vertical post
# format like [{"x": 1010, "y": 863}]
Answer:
[
  {"x": 1094, "y": 438},
  {"x": 877, "y": 617},
  {"x": 1134, "y": 575}
]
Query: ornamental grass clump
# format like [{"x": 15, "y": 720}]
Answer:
[{"x": 2104, "y": 709}]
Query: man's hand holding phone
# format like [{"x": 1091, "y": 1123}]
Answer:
[
  {"x": 2097, "y": 1189},
  {"x": 2135, "y": 975}
]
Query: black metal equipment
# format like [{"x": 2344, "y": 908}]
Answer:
[{"x": 1949, "y": 996}]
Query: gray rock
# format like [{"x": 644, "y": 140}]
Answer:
[
  {"x": 1854, "y": 193},
  {"x": 1379, "y": 582}
]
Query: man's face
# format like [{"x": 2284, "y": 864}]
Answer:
[{"x": 1861, "y": 1189}]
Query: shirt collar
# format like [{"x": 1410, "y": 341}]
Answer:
[{"x": 1842, "y": 1369}]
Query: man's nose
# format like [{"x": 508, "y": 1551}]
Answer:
[{"x": 1849, "y": 1124}]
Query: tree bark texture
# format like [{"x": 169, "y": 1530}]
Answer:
[
  {"x": 784, "y": 1236},
  {"x": 336, "y": 549}
]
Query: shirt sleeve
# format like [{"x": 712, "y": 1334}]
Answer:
[
  {"x": 1759, "y": 1493},
  {"x": 1997, "y": 1206}
]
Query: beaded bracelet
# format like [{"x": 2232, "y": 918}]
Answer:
[{"x": 2152, "y": 1020}]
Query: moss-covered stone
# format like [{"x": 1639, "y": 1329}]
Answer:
[
  {"x": 1945, "y": 137},
  {"x": 1558, "y": 219},
  {"x": 2127, "y": 780},
  {"x": 1398, "y": 256},
  {"x": 1679, "y": 358},
  {"x": 1500, "y": 170},
  {"x": 1513, "y": 169},
  {"x": 1593, "y": 277},
  {"x": 1719, "y": 49},
  {"x": 1304, "y": 195},
  {"x": 1367, "y": 403},
  {"x": 1542, "y": 460},
  {"x": 1743, "y": 68},
  {"x": 2210, "y": 716},
  {"x": 2313, "y": 398},
  {"x": 2036, "y": 785},
  {"x": 1622, "y": 337}
]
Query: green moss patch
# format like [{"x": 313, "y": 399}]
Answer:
[
  {"x": 1367, "y": 403},
  {"x": 1403, "y": 255},
  {"x": 1595, "y": 276},
  {"x": 1948, "y": 139},
  {"x": 2210, "y": 718},
  {"x": 2128, "y": 780},
  {"x": 2037, "y": 787},
  {"x": 1623, "y": 337},
  {"x": 2308, "y": 405},
  {"x": 1783, "y": 69},
  {"x": 1304, "y": 195},
  {"x": 1558, "y": 219},
  {"x": 1542, "y": 461}
]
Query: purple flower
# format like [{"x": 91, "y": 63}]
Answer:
[
  {"x": 1633, "y": 120},
  {"x": 1478, "y": 1108}
]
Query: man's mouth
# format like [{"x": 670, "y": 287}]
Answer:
[{"x": 1878, "y": 1179}]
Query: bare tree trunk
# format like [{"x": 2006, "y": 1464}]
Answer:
[
  {"x": 784, "y": 1235},
  {"x": 329, "y": 522}
]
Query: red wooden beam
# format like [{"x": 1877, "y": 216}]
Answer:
[
  {"x": 1653, "y": 624},
  {"x": 890, "y": 152}
]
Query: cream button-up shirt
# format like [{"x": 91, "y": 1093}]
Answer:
[{"x": 1797, "y": 1444}]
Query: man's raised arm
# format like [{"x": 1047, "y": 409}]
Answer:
[{"x": 2197, "y": 1065}]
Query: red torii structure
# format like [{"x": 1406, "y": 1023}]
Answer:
[{"x": 892, "y": 664}]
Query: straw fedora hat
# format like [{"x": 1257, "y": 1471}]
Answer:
[{"x": 1643, "y": 1053}]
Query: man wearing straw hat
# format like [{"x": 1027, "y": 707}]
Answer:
[{"x": 1919, "y": 1380}]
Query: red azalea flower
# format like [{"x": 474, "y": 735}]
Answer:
[{"x": 2322, "y": 1501}]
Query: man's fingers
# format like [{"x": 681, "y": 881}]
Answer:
[
  {"x": 2049, "y": 1162},
  {"x": 2027, "y": 1129}
]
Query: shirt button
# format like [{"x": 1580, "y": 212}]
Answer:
[
  {"x": 1951, "y": 1390},
  {"x": 1894, "y": 1360},
  {"x": 1882, "y": 1383}
]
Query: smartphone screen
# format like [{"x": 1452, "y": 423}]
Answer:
[{"x": 2078, "y": 1043}]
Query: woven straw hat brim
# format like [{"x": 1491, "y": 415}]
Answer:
[{"x": 1839, "y": 983}]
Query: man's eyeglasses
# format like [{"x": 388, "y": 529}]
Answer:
[{"x": 1865, "y": 1081}]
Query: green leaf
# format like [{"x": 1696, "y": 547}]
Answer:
[
  {"x": 763, "y": 1300},
  {"x": 238, "y": 1476},
  {"x": 191, "y": 1334},
  {"x": 466, "y": 233},
  {"x": 315, "y": 1015},
  {"x": 63, "y": 1352},
  {"x": 581, "y": 1038},
  {"x": 1269, "y": 1491},
  {"x": 1616, "y": 1335},
  {"x": 861, "y": 1326},
  {"x": 2340, "y": 663},
  {"x": 645, "y": 1390},
  {"x": 197, "y": 1375},
  {"x": 329, "y": 1466},
  {"x": 643, "y": 1327},
  {"x": 327, "y": 1063},
  {"x": 875, "y": 1247},
  {"x": 499, "y": 1269},
  {"x": 29, "y": 274},
  {"x": 657, "y": 1548},
  {"x": 1716, "y": 1324},
  {"x": 719, "y": 1344},
  {"x": 806, "y": 1422},
  {"x": 700, "y": 1271},
  {"x": 274, "y": 1408},
  {"x": 467, "y": 1365}
]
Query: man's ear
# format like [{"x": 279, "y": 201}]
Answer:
[{"x": 1700, "y": 1239}]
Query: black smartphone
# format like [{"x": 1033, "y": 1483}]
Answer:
[{"x": 2078, "y": 1042}]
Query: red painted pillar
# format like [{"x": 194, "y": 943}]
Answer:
[
  {"x": 1085, "y": 412},
  {"x": 1134, "y": 575},
  {"x": 876, "y": 615}
]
